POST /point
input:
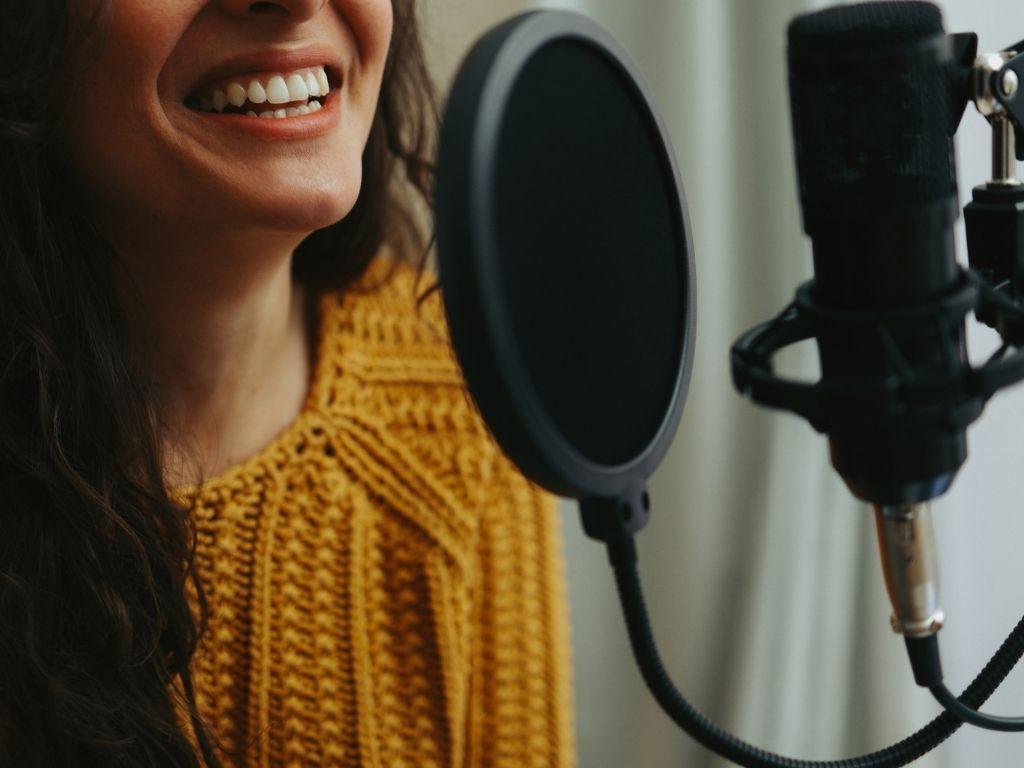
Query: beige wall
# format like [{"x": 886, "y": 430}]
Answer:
[{"x": 450, "y": 27}]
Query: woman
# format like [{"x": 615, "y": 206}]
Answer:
[{"x": 250, "y": 516}]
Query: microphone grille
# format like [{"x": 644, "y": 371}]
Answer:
[
  {"x": 866, "y": 25},
  {"x": 871, "y": 105}
]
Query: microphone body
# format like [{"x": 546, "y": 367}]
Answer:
[{"x": 871, "y": 109}]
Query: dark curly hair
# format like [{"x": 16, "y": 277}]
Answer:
[{"x": 96, "y": 559}]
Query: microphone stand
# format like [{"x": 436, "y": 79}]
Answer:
[{"x": 995, "y": 216}]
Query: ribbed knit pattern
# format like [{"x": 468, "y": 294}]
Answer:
[{"x": 386, "y": 588}]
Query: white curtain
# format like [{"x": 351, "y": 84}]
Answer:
[{"x": 761, "y": 570}]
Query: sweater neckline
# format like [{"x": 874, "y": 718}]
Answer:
[{"x": 326, "y": 305}]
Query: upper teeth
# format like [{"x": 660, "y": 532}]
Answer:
[{"x": 280, "y": 88}]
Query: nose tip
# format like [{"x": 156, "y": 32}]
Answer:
[{"x": 296, "y": 10}]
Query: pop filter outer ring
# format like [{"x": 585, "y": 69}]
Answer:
[{"x": 478, "y": 318}]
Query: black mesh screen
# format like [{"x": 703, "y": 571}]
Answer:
[
  {"x": 870, "y": 94},
  {"x": 865, "y": 26},
  {"x": 590, "y": 251}
]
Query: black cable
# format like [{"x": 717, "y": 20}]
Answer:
[
  {"x": 923, "y": 653},
  {"x": 622, "y": 554},
  {"x": 953, "y": 705}
]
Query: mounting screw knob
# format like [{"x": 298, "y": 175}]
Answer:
[{"x": 1008, "y": 83}]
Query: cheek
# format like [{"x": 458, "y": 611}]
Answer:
[
  {"x": 370, "y": 22},
  {"x": 110, "y": 87}
]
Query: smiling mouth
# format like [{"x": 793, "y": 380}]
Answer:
[{"x": 271, "y": 95}]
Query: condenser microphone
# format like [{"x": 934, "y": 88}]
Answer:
[
  {"x": 871, "y": 106},
  {"x": 876, "y": 93}
]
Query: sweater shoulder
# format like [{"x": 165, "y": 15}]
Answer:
[
  {"x": 390, "y": 326},
  {"x": 394, "y": 364}
]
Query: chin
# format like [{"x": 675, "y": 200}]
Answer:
[{"x": 305, "y": 207}]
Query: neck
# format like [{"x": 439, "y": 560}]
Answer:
[{"x": 226, "y": 336}]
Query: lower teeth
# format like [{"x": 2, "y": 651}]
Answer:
[{"x": 305, "y": 109}]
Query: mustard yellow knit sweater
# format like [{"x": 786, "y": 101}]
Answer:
[{"x": 386, "y": 589}]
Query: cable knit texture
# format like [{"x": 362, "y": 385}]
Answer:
[{"x": 386, "y": 588}]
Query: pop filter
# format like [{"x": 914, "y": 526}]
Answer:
[{"x": 565, "y": 258}]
